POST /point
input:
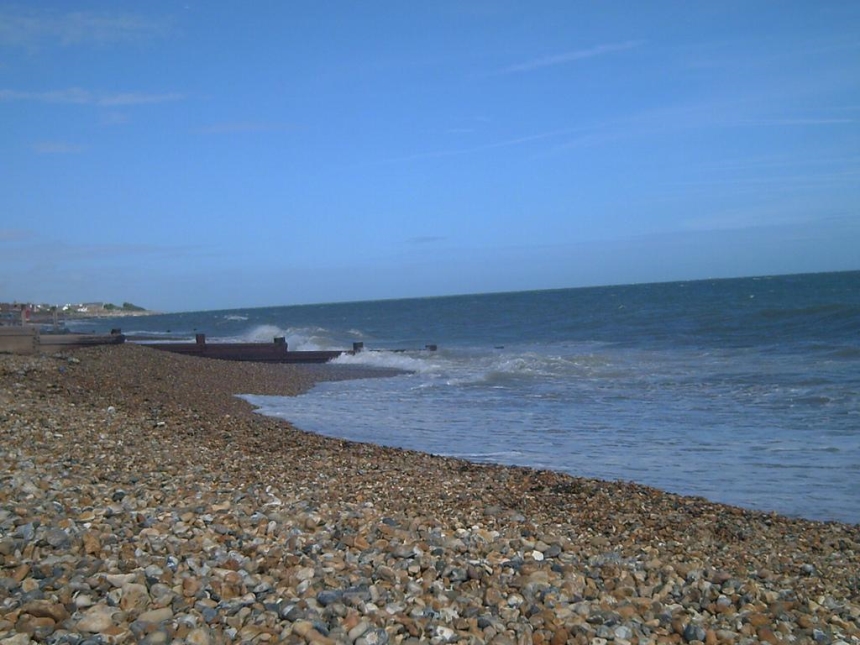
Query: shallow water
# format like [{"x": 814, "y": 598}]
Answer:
[{"x": 743, "y": 391}]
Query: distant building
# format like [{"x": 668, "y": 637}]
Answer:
[{"x": 14, "y": 313}]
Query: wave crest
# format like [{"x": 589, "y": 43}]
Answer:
[
  {"x": 390, "y": 360},
  {"x": 297, "y": 338}
]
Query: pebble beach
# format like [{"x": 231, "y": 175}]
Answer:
[{"x": 142, "y": 501}]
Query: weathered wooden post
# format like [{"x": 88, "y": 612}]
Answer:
[
  {"x": 19, "y": 340},
  {"x": 280, "y": 340},
  {"x": 200, "y": 339}
]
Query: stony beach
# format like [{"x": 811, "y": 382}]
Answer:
[{"x": 141, "y": 501}]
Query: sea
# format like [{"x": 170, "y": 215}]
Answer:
[{"x": 743, "y": 391}]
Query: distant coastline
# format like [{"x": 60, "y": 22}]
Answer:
[
  {"x": 23, "y": 313},
  {"x": 108, "y": 313}
]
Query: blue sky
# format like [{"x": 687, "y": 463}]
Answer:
[{"x": 203, "y": 155}]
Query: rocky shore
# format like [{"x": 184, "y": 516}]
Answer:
[{"x": 140, "y": 501}]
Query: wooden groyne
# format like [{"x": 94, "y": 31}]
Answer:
[
  {"x": 276, "y": 352},
  {"x": 28, "y": 339}
]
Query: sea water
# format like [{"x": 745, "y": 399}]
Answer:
[{"x": 744, "y": 391}]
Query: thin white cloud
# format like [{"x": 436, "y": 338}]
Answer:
[
  {"x": 137, "y": 98},
  {"x": 504, "y": 143},
  {"x": 57, "y": 148},
  {"x": 72, "y": 95},
  {"x": 780, "y": 214},
  {"x": 663, "y": 121},
  {"x": 114, "y": 118},
  {"x": 571, "y": 56},
  {"x": 723, "y": 114},
  {"x": 239, "y": 127},
  {"x": 14, "y": 234},
  {"x": 799, "y": 121},
  {"x": 78, "y": 96},
  {"x": 33, "y": 28},
  {"x": 784, "y": 182},
  {"x": 776, "y": 161}
]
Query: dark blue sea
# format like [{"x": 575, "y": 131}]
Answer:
[{"x": 744, "y": 391}]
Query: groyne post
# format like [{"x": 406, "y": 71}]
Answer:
[{"x": 19, "y": 340}]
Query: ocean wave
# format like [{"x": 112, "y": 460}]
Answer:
[
  {"x": 404, "y": 361},
  {"x": 491, "y": 369},
  {"x": 297, "y": 338},
  {"x": 700, "y": 389},
  {"x": 831, "y": 322}
]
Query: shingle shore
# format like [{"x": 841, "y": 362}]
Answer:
[{"x": 140, "y": 501}]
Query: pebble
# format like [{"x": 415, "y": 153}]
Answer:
[
  {"x": 222, "y": 526},
  {"x": 694, "y": 632},
  {"x": 96, "y": 619}
]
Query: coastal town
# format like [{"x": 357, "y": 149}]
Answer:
[
  {"x": 17, "y": 313},
  {"x": 27, "y": 328}
]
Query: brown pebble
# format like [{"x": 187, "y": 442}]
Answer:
[
  {"x": 560, "y": 637},
  {"x": 199, "y": 636},
  {"x": 45, "y": 608},
  {"x": 758, "y": 620},
  {"x": 20, "y": 572},
  {"x": 805, "y": 621},
  {"x": 92, "y": 543}
]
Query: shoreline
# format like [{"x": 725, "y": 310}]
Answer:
[{"x": 254, "y": 530}]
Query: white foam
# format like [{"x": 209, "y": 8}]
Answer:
[
  {"x": 297, "y": 338},
  {"x": 391, "y": 360},
  {"x": 260, "y": 333}
]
